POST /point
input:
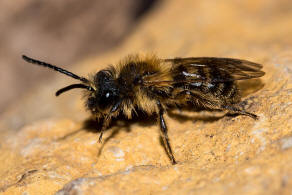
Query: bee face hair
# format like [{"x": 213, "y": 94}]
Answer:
[{"x": 155, "y": 85}]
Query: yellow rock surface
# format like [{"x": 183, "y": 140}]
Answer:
[{"x": 45, "y": 147}]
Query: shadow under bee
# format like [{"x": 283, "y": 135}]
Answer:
[
  {"x": 187, "y": 114},
  {"x": 122, "y": 123},
  {"x": 119, "y": 123}
]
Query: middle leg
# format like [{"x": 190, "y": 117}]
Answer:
[{"x": 164, "y": 134}]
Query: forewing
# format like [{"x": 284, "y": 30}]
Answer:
[{"x": 236, "y": 69}]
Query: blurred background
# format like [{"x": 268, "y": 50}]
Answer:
[
  {"x": 59, "y": 32},
  {"x": 65, "y": 32}
]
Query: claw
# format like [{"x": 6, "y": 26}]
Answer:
[{"x": 100, "y": 137}]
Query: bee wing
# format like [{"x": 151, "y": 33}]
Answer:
[
  {"x": 209, "y": 70},
  {"x": 213, "y": 68}
]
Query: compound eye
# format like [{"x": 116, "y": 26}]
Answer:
[
  {"x": 107, "y": 95},
  {"x": 106, "y": 100}
]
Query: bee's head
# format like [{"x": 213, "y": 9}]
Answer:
[{"x": 105, "y": 94}]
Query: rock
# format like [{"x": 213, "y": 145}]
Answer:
[{"x": 48, "y": 147}]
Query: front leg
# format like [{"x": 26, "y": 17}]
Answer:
[
  {"x": 105, "y": 124},
  {"x": 108, "y": 119},
  {"x": 164, "y": 135}
]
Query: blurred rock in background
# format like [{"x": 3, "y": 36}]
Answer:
[{"x": 60, "y": 32}]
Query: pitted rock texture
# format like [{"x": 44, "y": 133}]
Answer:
[{"x": 48, "y": 145}]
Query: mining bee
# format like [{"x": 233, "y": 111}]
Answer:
[{"x": 153, "y": 86}]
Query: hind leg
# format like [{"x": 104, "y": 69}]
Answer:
[{"x": 236, "y": 110}]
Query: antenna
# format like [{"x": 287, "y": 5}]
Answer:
[
  {"x": 73, "y": 86},
  {"x": 61, "y": 70}
]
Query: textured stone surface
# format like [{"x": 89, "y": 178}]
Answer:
[{"x": 46, "y": 147}]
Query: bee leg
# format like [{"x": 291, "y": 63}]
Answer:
[
  {"x": 108, "y": 119},
  {"x": 164, "y": 135},
  {"x": 100, "y": 136},
  {"x": 237, "y": 110},
  {"x": 104, "y": 126},
  {"x": 105, "y": 123}
]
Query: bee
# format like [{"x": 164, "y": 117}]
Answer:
[{"x": 154, "y": 86}]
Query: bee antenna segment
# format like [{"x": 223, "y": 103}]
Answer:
[
  {"x": 61, "y": 70},
  {"x": 73, "y": 86}
]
